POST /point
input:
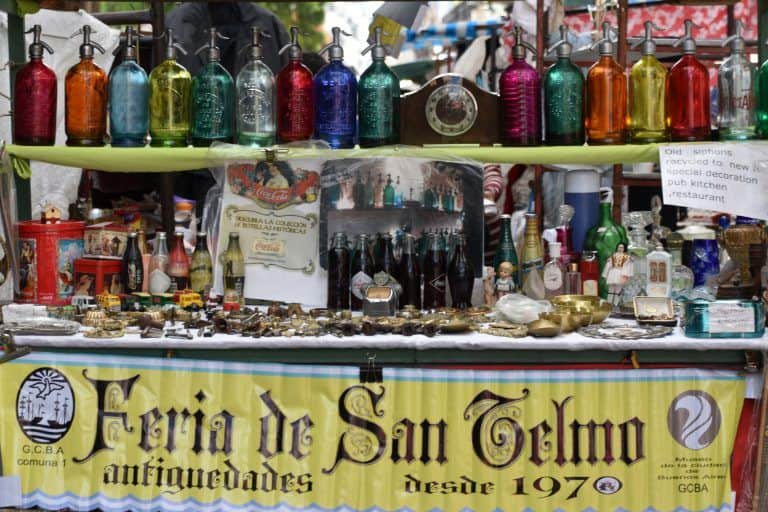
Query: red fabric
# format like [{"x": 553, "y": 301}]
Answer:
[{"x": 513, "y": 175}]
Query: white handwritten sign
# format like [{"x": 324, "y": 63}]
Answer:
[{"x": 724, "y": 177}]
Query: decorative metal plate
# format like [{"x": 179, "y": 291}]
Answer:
[{"x": 625, "y": 332}]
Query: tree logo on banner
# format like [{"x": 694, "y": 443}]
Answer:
[
  {"x": 45, "y": 406},
  {"x": 694, "y": 419}
]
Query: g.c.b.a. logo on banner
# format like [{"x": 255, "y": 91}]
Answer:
[{"x": 45, "y": 406}]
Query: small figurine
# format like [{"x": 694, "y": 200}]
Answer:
[
  {"x": 489, "y": 292},
  {"x": 617, "y": 272},
  {"x": 50, "y": 214},
  {"x": 505, "y": 284}
]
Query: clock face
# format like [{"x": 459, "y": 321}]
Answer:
[{"x": 451, "y": 110}]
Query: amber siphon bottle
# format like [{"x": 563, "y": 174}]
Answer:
[
  {"x": 338, "y": 273},
  {"x": 606, "y": 108},
  {"x": 85, "y": 90}
]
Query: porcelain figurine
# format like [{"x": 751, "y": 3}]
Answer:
[
  {"x": 505, "y": 284},
  {"x": 617, "y": 272}
]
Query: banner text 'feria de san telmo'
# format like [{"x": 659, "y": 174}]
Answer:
[{"x": 123, "y": 433}]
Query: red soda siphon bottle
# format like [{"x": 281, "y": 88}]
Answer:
[
  {"x": 688, "y": 93},
  {"x": 295, "y": 104},
  {"x": 34, "y": 101}
]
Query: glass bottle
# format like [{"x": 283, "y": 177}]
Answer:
[
  {"x": 358, "y": 193},
  {"x": 563, "y": 97},
  {"x": 34, "y": 98},
  {"x": 638, "y": 250},
  {"x": 589, "y": 267},
  {"x": 132, "y": 268},
  {"x": 335, "y": 93},
  {"x": 573, "y": 282},
  {"x": 434, "y": 274},
  {"x": 213, "y": 94},
  {"x": 369, "y": 190},
  {"x": 647, "y": 89},
  {"x": 201, "y": 267},
  {"x": 85, "y": 97},
  {"x": 169, "y": 98},
  {"x": 605, "y": 237},
  {"x": 178, "y": 264},
  {"x": 389, "y": 193},
  {"x": 682, "y": 276},
  {"x": 146, "y": 257},
  {"x": 378, "y": 93},
  {"x": 361, "y": 271},
  {"x": 520, "y": 96},
  {"x": 385, "y": 256},
  {"x": 128, "y": 98},
  {"x": 688, "y": 93},
  {"x": 159, "y": 282},
  {"x": 295, "y": 104},
  {"x": 563, "y": 233},
  {"x": 532, "y": 260},
  {"x": 659, "y": 273},
  {"x": 606, "y": 106},
  {"x": 255, "y": 86},
  {"x": 461, "y": 275},
  {"x": 338, "y": 273},
  {"x": 234, "y": 273},
  {"x": 378, "y": 193},
  {"x": 761, "y": 99},
  {"x": 554, "y": 273},
  {"x": 408, "y": 272},
  {"x": 505, "y": 252},
  {"x": 736, "y": 91}
]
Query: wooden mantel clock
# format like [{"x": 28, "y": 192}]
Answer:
[{"x": 449, "y": 109}]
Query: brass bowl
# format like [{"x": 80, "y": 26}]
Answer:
[
  {"x": 565, "y": 320},
  {"x": 587, "y": 301},
  {"x": 543, "y": 328},
  {"x": 600, "y": 313},
  {"x": 583, "y": 318}
]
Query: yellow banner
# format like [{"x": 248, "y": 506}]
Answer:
[{"x": 122, "y": 433}]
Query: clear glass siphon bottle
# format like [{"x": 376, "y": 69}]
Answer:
[
  {"x": 234, "y": 274},
  {"x": 520, "y": 97},
  {"x": 688, "y": 93},
  {"x": 736, "y": 91},
  {"x": 85, "y": 97},
  {"x": 554, "y": 273},
  {"x": 659, "y": 273},
  {"x": 34, "y": 98},
  {"x": 213, "y": 96},
  {"x": 255, "y": 87},
  {"x": 563, "y": 97},
  {"x": 573, "y": 283},
  {"x": 606, "y": 105},
  {"x": 532, "y": 260},
  {"x": 201, "y": 267},
  {"x": 169, "y": 98},
  {"x": 335, "y": 93},
  {"x": 682, "y": 276},
  {"x": 378, "y": 93},
  {"x": 159, "y": 282},
  {"x": 648, "y": 86}
]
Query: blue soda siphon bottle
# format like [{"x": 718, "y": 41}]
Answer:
[
  {"x": 213, "y": 94},
  {"x": 255, "y": 86},
  {"x": 563, "y": 97},
  {"x": 335, "y": 93},
  {"x": 378, "y": 99},
  {"x": 128, "y": 98}
]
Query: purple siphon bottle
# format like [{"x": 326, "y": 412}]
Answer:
[{"x": 520, "y": 99}]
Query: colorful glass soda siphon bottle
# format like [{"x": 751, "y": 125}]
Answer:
[
  {"x": 519, "y": 88},
  {"x": 335, "y": 92},
  {"x": 736, "y": 91},
  {"x": 295, "y": 104},
  {"x": 606, "y": 109},
  {"x": 213, "y": 93},
  {"x": 688, "y": 93},
  {"x": 563, "y": 97},
  {"x": 169, "y": 98},
  {"x": 85, "y": 97},
  {"x": 605, "y": 237},
  {"x": 647, "y": 89},
  {"x": 761, "y": 97},
  {"x": 128, "y": 96},
  {"x": 255, "y": 85},
  {"x": 378, "y": 95},
  {"x": 34, "y": 99}
]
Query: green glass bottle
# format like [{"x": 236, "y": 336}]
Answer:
[
  {"x": 213, "y": 97},
  {"x": 606, "y": 236},
  {"x": 761, "y": 97},
  {"x": 169, "y": 96},
  {"x": 564, "y": 97},
  {"x": 505, "y": 253},
  {"x": 647, "y": 89},
  {"x": 389, "y": 193},
  {"x": 378, "y": 100}
]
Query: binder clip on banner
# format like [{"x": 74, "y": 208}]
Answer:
[{"x": 371, "y": 372}]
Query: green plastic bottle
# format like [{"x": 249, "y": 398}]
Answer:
[
  {"x": 647, "y": 89},
  {"x": 606, "y": 236},
  {"x": 378, "y": 99}
]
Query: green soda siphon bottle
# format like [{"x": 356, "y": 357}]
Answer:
[
  {"x": 563, "y": 97},
  {"x": 378, "y": 99},
  {"x": 213, "y": 97}
]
